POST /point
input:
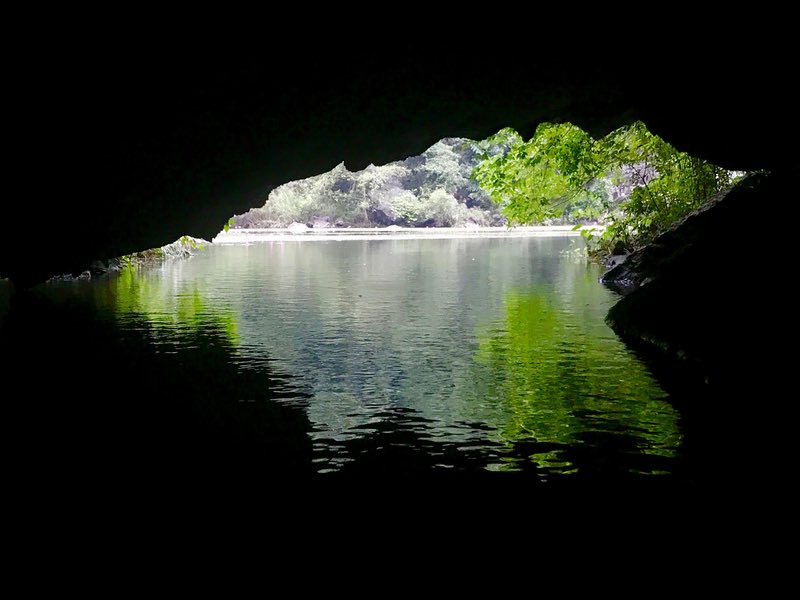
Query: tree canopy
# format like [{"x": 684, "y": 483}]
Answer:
[{"x": 631, "y": 180}]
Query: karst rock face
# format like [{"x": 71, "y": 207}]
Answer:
[{"x": 434, "y": 188}]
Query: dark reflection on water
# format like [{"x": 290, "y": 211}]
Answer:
[
  {"x": 384, "y": 357},
  {"x": 103, "y": 398},
  {"x": 398, "y": 442}
]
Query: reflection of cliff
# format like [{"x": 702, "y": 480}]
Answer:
[
  {"x": 371, "y": 324},
  {"x": 374, "y": 325},
  {"x": 550, "y": 376}
]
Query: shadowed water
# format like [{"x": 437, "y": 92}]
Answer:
[{"x": 389, "y": 356}]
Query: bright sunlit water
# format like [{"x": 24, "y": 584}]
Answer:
[{"x": 385, "y": 355}]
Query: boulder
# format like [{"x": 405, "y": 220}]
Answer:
[{"x": 297, "y": 228}]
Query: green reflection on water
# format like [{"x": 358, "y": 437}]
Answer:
[
  {"x": 182, "y": 304},
  {"x": 549, "y": 375}
]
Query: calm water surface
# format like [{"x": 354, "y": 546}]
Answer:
[{"x": 384, "y": 355}]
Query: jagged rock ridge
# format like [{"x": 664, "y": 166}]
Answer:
[{"x": 432, "y": 189}]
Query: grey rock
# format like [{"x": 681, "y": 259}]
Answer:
[
  {"x": 320, "y": 223},
  {"x": 392, "y": 194},
  {"x": 298, "y": 228}
]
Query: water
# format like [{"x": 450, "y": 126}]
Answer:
[{"x": 385, "y": 356}]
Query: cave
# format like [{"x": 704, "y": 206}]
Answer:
[
  {"x": 125, "y": 146},
  {"x": 141, "y": 145}
]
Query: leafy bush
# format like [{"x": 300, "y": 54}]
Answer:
[
  {"x": 404, "y": 203},
  {"x": 441, "y": 209}
]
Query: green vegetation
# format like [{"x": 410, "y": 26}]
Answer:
[
  {"x": 533, "y": 390},
  {"x": 631, "y": 180},
  {"x": 166, "y": 304}
]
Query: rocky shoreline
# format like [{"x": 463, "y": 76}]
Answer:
[
  {"x": 183, "y": 248},
  {"x": 684, "y": 299}
]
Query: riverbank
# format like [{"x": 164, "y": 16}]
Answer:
[{"x": 244, "y": 236}]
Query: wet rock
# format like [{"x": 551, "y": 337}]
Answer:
[{"x": 103, "y": 267}]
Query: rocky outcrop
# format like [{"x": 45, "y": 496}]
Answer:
[
  {"x": 184, "y": 247},
  {"x": 674, "y": 247},
  {"x": 695, "y": 296},
  {"x": 434, "y": 188},
  {"x": 83, "y": 276}
]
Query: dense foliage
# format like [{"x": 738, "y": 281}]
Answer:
[{"x": 631, "y": 180}]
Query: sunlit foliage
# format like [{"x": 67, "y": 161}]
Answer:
[{"x": 632, "y": 180}]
